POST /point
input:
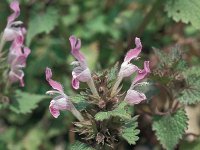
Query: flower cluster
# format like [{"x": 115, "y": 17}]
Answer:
[
  {"x": 61, "y": 101},
  {"x": 18, "y": 53},
  {"x": 127, "y": 69},
  {"x": 81, "y": 73}
]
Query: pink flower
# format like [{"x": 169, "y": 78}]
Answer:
[
  {"x": 15, "y": 7},
  {"x": 17, "y": 60},
  {"x": 18, "y": 53},
  {"x": 13, "y": 28},
  {"x": 133, "y": 96},
  {"x": 81, "y": 72},
  {"x": 61, "y": 101},
  {"x": 127, "y": 68},
  {"x": 141, "y": 74}
]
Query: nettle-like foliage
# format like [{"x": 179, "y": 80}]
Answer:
[
  {"x": 184, "y": 10},
  {"x": 104, "y": 111},
  {"x": 181, "y": 81},
  {"x": 12, "y": 62},
  {"x": 180, "y": 84}
]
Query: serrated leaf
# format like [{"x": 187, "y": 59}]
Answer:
[
  {"x": 130, "y": 131},
  {"x": 169, "y": 129},
  {"x": 40, "y": 23},
  {"x": 79, "y": 101},
  {"x": 186, "y": 11},
  {"x": 25, "y": 102},
  {"x": 191, "y": 94},
  {"x": 120, "y": 111},
  {"x": 80, "y": 146},
  {"x": 172, "y": 59}
]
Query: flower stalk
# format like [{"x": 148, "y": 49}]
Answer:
[
  {"x": 116, "y": 85},
  {"x": 92, "y": 87},
  {"x": 76, "y": 113},
  {"x": 2, "y": 43},
  {"x": 62, "y": 101},
  {"x": 81, "y": 72},
  {"x": 128, "y": 68}
]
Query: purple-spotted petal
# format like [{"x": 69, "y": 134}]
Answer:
[
  {"x": 20, "y": 60},
  {"x": 75, "y": 48},
  {"x": 16, "y": 11},
  {"x": 134, "y": 97},
  {"x": 54, "y": 84},
  {"x": 75, "y": 83},
  {"x": 17, "y": 61},
  {"x": 133, "y": 53},
  {"x": 17, "y": 46},
  {"x": 57, "y": 104},
  {"x": 142, "y": 73},
  {"x": 54, "y": 111}
]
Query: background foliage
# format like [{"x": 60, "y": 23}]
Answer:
[{"x": 107, "y": 29}]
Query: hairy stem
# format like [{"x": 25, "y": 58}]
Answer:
[
  {"x": 92, "y": 87},
  {"x": 116, "y": 85},
  {"x": 76, "y": 113},
  {"x": 2, "y": 42}
]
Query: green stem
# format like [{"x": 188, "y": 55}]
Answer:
[
  {"x": 92, "y": 87},
  {"x": 7, "y": 82},
  {"x": 2, "y": 43},
  {"x": 7, "y": 87},
  {"x": 76, "y": 113},
  {"x": 116, "y": 85}
]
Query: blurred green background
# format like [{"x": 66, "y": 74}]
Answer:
[{"x": 107, "y": 29}]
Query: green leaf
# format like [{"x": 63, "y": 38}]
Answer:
[
  {"x": 186, "y": 11},
  {"x": 194, "y": 145},
  {"x": 35, "y": 134},
  {"x": 79, "y": 101},
  {"x": 172, "y": 59},
  {"x": 120, "y": 111},
  {"x": 80, "y": 146},
  {"x": 129, "y": 131},
  {"x": 191, "y": 94},
  {"x": 169, "y": 129},
  {"x": 40, "y": 23},
  {"x": 11, "y": 135},
  {"x": 72, "y": 17},
  {"x": 98, "y": 25},
  {"x": 25, "y": 102}
]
